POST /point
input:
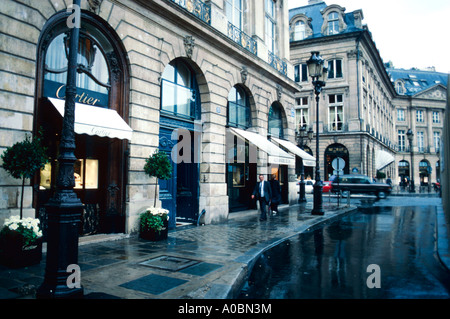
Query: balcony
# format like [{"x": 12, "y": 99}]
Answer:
[
  {"x": 278, "y": 64},
  {"x": 196, "y": 7},
  {"x": 241, "y": 38}
]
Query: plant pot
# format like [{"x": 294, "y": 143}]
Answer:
[
  {"x": 154, "y": 235},
  {"x": 14, "y": 254}
]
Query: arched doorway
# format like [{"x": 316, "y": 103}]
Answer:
[
  {"x": 438, "y": 171},
  {"x": 102, "y": 83},
  {"x": 403, "y": 174},
  {"x": 425, "y": 172},
  {"x": 333, "y": 151},
  {"x": 308, "y": 170},
  {"x": 241, "y": 172},
  {"x": 180, "y": 137},
  {"x": 276, "y": 125}
]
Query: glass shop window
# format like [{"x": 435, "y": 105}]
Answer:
[
  {"x": 86, "y": 174},
  {"x": 46, "y": 177}
]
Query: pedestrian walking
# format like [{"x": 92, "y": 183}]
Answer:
[
  {"x": 276, "y": 194},
  {"x": 263, "y": 193}
]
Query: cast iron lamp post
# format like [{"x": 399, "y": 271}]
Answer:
[
  {"x": 410, "y": 136},
  {"x": 301, "y": 142},
  {"x": 318, "y": 73},
  {"x": 64, "y": 208}
]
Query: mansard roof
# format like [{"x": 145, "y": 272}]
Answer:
[
  {"x": 315, "y": 10},
  {"x": 416, "y": 81}
]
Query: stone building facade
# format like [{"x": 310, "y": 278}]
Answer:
[
  {"x": 356, "y": 120},
  {"x": 171, "y": 72},
  {"x": 420, "y": 107},
  {"x": 367, "y": 106}
]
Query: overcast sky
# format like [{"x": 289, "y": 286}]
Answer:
[{"x": 410, "y": 33}]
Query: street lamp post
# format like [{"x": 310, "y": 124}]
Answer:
[
  {"x": 301, "y": 143},
  {"x": 410, "y": 136},
  {"x": 302, "y": 197},
  {"x": 64, "y": 208},
  {"x": 318, "y": 73}
]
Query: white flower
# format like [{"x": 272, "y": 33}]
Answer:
[{"x": 14, "y": 222}]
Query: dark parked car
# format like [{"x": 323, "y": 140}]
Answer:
[{"x": 360, "y": 184}]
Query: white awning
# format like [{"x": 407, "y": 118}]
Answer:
[
  {"x": 308, "y": 160},
  {"x": 383, "y": 159},
  {"x": 93, "y": 120},
  {"x": 276, "y": 154}
]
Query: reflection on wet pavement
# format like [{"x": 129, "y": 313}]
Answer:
[{"x": 331, "y": 261}]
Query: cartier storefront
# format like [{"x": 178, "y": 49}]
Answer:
[{"x": 102, "y": 134}]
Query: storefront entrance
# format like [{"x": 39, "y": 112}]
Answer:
[
  {"x": 280, "y": 172},
  {"x": 101, "y": 113},
  {"x": 98, "y": 175}
]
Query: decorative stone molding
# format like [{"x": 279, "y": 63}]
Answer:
[
  {"x": 279, "y": 92},
  {"x": 244, "y": 74},
  {"x": 94, "y": 5},
  {"x": 189, "y": 44}
]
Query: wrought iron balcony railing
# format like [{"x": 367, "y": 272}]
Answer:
[
  {"x": 241, "y": 38},
  {"x": 277, "y": 64},
  {"x": 196, "y": 7}
]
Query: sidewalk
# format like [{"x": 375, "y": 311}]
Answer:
[{"x": 209, "y": 261}]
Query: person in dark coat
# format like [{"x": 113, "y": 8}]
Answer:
[
  {"x": 276, "y": 194},
  {"x": 263, "y": 193}
]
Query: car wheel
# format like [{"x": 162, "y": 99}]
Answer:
[
  {"x": 381, "y": 195},
  {"x": 345, "y": 194}
]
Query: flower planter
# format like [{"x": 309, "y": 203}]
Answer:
[
  {"x": 154, "y": 235},
  {"x": 14, "y": 254}
]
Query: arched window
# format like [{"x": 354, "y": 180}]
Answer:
[
  {"x": 333, "y": 23},
  {"x": 238, "y": 108},
  {"x": 276, "y": 121},
  {"x": 93, "y": 79},
  {"x": 299, "y": 31},
  {"x": 179, "y": 91}
]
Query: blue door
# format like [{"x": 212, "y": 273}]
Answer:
[
  {"x": 167, "y": 188},
  {"x": 180, "y": 193}
]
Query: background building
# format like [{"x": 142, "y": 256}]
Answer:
[
  {"x": 166, "y": 71},
  {"x": 420, "y": 106},
  {"x": 356, "y": 116}
]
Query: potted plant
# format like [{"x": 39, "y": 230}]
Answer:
[
  {"x": 20, "y": 242},
  {"x": 158, "y": 165},
  {"x": 21, "y": 239},
  {"x": 23, "y": 160},
  {"x": 154, "y": 224}
]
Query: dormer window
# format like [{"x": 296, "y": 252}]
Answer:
[
  {"x": 399, "y": 87},
  {"x": 333, "y": 20},
  {"x": 300, "y": 27},
  {"x": 333, "y": 23},
  {"x": 299, "y": 31}
]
